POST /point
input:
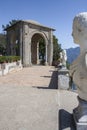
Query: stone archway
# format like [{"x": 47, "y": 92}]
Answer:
[
  {"x": 38, "y": 49},
  {"x": 29, "y": 34}
]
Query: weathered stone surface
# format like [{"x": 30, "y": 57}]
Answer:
[
  {"x": 63, "y": 58},
  {"x": 63, "y": 79},
  {"x": 10, "y": 67},
  {"x": 28, "y": 103},
  {"x": 26, "y": 35},
  {"x": 78, "y": 69}
]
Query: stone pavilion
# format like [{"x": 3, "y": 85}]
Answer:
[{"x": 23, "y": 39}]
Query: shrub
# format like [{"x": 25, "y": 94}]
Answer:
[{"x": 7, "y": 59}]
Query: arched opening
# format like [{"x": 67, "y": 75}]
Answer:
[{"x": 38, "y": 49}]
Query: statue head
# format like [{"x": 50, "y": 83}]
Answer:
[{"x": 79, "y": 32}]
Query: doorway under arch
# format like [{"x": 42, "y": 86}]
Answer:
[{"x": 38, "y": 49}]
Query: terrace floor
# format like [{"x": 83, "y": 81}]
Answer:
[{"x": 30, "y": 100}]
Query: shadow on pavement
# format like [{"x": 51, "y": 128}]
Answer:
[
  {"x": 53, "y": 82},
  {"x": 66, "y": 120}
]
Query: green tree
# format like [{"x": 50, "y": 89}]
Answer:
[
  {"x": 56, "y": 50},
  {"x": 12, "y": 22},
  {"x": 2, "y": 44}
]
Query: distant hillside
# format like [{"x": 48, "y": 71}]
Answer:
[{"x": 72, "y": 54}]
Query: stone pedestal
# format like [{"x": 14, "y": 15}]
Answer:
[
  {"x": 63, "y": 79},
  {"x": 80, "y": 115}
]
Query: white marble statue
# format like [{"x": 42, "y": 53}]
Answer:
[
  {"x": 63, "y": 58},
  {"x": 78, "y": 69}
]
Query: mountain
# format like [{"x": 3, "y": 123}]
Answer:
[{"x": 72, "y": 54}]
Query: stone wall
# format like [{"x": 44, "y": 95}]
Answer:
[{"x": 6, "y": 68}]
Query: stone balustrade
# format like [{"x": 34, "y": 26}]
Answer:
[
  {"x": 63, "y": 79},
  {"x": 6, "y": 68}
]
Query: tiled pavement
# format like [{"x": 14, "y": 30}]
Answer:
[{"x": 29, "y": 99}]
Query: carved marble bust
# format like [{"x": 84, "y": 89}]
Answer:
[{"x": 78, "y": 69}]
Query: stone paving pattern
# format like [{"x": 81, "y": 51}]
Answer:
[
  {"x": 29, "y": 100},
  {"x": 23, "y": 106}
]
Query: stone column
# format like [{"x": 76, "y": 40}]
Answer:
[
  {"x": 29, "y": 51},
  {"x": 11, "y": 44},
  {"x": 46, "y": 63},
  {"x": 38, "y": 53},
  {"x": 26, "y": 47},
  {"x": 50, "y": 48},
  {"x": 8, "y": 43},
  {"x": 21, "y": 46}
]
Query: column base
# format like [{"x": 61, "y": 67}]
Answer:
[
  {"x": 46, "y": 63},
  {"x": 38, "y": 62},
  {"x": 28, "y": 65}
]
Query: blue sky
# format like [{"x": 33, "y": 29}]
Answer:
[{"x": 57, "y": 14}]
